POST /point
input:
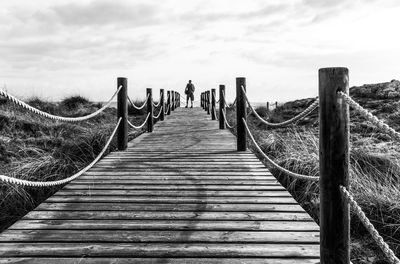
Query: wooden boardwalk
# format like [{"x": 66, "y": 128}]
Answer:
[{"x": 181, "y": 194}]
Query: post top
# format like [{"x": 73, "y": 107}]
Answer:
[{"x": 334, "y": 69}]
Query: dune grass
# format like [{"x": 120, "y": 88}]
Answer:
[
  {"x": 374, "y": 169},
  {"x": 39, "y": 149}
]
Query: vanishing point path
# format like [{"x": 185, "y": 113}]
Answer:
[{"x": 181, "y": 194}]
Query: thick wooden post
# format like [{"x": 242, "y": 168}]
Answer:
[
  {"x": 213, "y": 117},
  {"x": 276, "y": 105},
  {"x": 221, "y": 106},
  {"x": 334, "y": 165},
  {"x": 267, "y": 106},
  {"x": 150, "y": 121},
  {"x": 168, "y": 102},
  {"x": 208, "y": 103},
  {"x": 162, "y": 108},
  {"x": 240, "y": 114},
  {"x": 122, "y": 112},
  {"x": 179, "y": 100},
  {"x": 172, "y": 100}
]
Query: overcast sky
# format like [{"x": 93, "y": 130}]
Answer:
[{"x": 53, "y": 49}]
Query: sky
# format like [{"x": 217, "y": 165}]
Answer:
[{"x": 53, "y": 49}]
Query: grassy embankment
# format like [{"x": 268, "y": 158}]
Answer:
[
  {"x": 375, "y": 167},
  {"x": 38, "y": 149}
]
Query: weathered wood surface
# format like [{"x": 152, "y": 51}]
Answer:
[{"x": 181, "y": 194}]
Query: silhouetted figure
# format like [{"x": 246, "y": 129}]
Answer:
[{"x": 189, "y": 90}]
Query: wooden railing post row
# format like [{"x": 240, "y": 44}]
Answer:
[
  {"x": 150, "y": 121},
  {"x": 213, "y": 117},
  {"x": 162, "y": 108},
  {"x": 208, "y": 102},
  {"x": 240, "y": 114},
  {"x": 122, "y": 112},
  {"x": 334, "y": 166},
  {"x": 221, "y": 106},
  {"x": 169, "y": 102}
]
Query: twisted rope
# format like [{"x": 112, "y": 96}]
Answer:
[
  {"x": 138, "y": 107},
  {"x": 21, "y": 182},
  {"x": 225, "y": 120},
  {"x": 368, "y": 115},
  {"x": 371, "y": 229},
  {"x": 300, "y": 116},
  {"x": 215, "y": 113},
  {"x": 157, "y": 105},
  {"x": 167, "y": 109},
  {"x": 290, "y": 173},
  {"x": 142, "y": 125},
  {"x": 159, "y": 113},
  {"x": 55, "y": 117}
]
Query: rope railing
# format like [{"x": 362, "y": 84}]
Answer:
[
  {"x": 292, "y": 120},
  {"x": 226, "y": 105},
  {"x": 369, "y": 116},
  {"x": 226, "y": 120},
  {"x": 370, "y": 227},
  {"x": 274, "y": 164},
  {"x": 140, "y": 126},
  {"x": 334, "y": 128},
  {"x": 56, "y": 117},
  {"x": 167, "y": 109},
  {"x": 159, "y": 113},
  {"x": 158, "y": 104},
  {"x": 21, "y": 182},
  {"x": 138, "y": 107}
]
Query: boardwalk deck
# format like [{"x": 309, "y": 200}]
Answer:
[{"x": 181, "y": 194}]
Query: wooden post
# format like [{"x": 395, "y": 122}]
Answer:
[
  {"x": 276, "y": 105},
  {"x": 221, "y": 106},
  {"x": 162, "y": 108},
  {"x": 201, "y": 100},
  {"x": 213, "y": 117},
  {"x": 122, "y": 112},
  {"x": 207, "y": 102},
  {"x": 150, "y": 121},
  {"x": 268, "y": 106},
  {"x": 179, "y": 100},
  {"x": 240, "y": 114},
  {"x": 172, "y": 100},
  {"x": 169, "y": 102},
  {"x": 333, "y": 165}
]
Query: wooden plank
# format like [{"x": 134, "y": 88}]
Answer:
[
  {"x": 171, "y": 207},
  {"x": 161, "y": 215},
  {"x": 159, "y": 236},
  {"x": 187, "y": 199},
  {"x": 174, "y": 177},
  {"x": 110, "y": 186},
  {"x": 183, "y": 173},
  {"x": 174, "y": 193},
  {"x": 180, "y": 182},
  {"x": 88, "y": 260},
  {"x": 159, "y": 250},
  {"x": 227, "y": 225}
]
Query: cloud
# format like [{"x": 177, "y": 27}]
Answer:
[{"x": 101, "y": 13}]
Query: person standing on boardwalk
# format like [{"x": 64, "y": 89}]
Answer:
[{"x": 189, "y": 90}]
